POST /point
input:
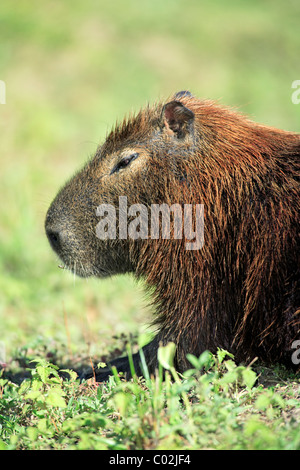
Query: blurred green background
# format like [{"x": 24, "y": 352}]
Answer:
[{"x": 71, "y": 70}]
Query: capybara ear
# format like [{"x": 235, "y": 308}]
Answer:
[{"x": 177, "y": 118}]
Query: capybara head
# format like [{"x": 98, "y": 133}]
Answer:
[
  {"x": 238, "y": 286},
  {"x": 144, "y": 160}
]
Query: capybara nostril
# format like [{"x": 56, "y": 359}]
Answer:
[{"x": 54, "y": 238}]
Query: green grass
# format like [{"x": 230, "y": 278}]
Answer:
[
  {"x": 71, "y": 71},
  {"x": 215, "y": 405}
]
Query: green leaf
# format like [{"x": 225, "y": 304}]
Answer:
[
  {"x": 34, "y": 394},
  {"x": 230, "y": 377},
  {"x": 32, "y": 433},
  {"x": 193, "y": 360},
  {"x": 43, "y": 373},
  {"x": 3, "y": 446},
  {"x": 122, "y": 401},
  {"x": 166, "y": 355},
  {"x": 203, "y": 361},
  {"x": 221, "y": 354},
  {"x": 262, "y": 402},
  {"x": 73, "y": 375},
  {"x": 54, "y": 398},
  {"x": 3, "y": 382},
  {"x": 101, "y": 365},
  {"x": 43, "y": 426},
  {"x": 249, "y": 377}
]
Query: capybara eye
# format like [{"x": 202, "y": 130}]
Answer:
[{"x": 124, "y": 162}]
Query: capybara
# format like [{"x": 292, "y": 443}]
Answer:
[{"x": 238, "y": 288}]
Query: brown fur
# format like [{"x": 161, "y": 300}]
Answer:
[{"x": 241, "y": 290}]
